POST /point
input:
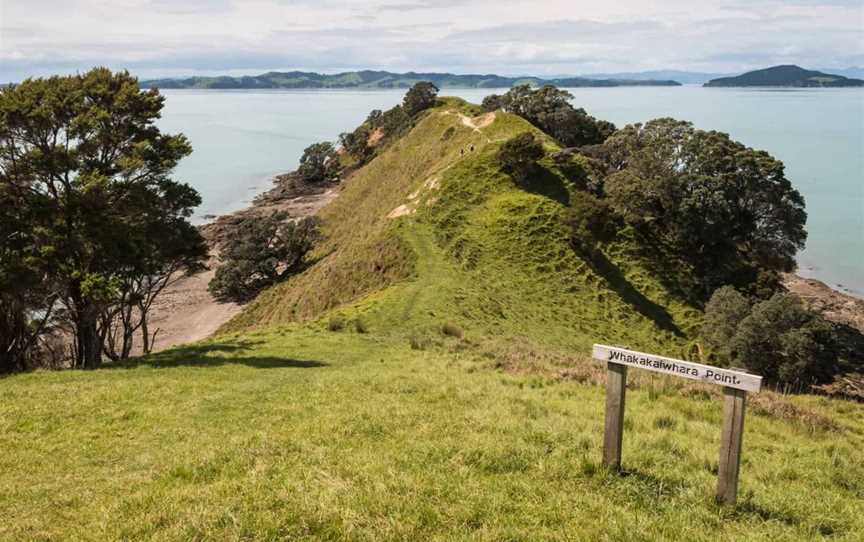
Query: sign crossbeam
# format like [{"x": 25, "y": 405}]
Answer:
[{"x": 676, "y": 367}]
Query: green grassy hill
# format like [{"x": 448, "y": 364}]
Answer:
[
  {"x": 474, "y": 250},
  {"x": 425, "y": 379}
]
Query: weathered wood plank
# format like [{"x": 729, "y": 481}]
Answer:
[
  {"x": 676, "y": 367},
  {"x": 616, "y": 387},
  {"x": 731, "y": 437}
]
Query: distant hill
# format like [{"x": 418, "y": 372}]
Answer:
[
  {"x": 685, "y": 77},
  {"x": 785, "y": 76},
  {"x": 384, "y": 79}
]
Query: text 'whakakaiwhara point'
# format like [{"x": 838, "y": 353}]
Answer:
[{"x": 676, "y": 367}]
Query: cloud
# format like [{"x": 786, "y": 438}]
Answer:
[{"x": 167, "y": 37}]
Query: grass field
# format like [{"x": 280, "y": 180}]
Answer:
[
  {"x": 303, "y": 433},
  {"x": 425, "y": 379}
]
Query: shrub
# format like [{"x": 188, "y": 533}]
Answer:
[
  {"x": 319, "y": 163},
  {"x": 336, "y": 323},
  {"x": 419, "y": 342},
  {"x": 591, "y": 220},
  {"x": 356, "y": 143},
  {"x": 263, "y": 251},
  {"x": 519, "y": 155},
  {"x": 452, "y": 330},
  {"x": 786, "y": 344},
  {"x": 778, "y": 339},
  {"x": 360, "y": 325},
  {"x": 493, "y": 102},
  {"x": 723, "y": 313}
]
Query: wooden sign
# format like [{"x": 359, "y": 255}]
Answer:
[
  {"x": 735, "y": 384},
  {"x": 677, "y": 367}
]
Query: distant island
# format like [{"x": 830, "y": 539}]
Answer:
[
  {"x": 785, "y": 76},
  {"x": 384, "y": 79}
]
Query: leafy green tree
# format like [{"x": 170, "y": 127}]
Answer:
[
  {"x": 82, "y": 154},
  {"x": 493, "y": 102},
  {"x": 519, "y": 155},
  {"x": 591, "y": 221},
  {"x": 726, "y": 208},
  {"x": 549, "y": 109},
  {"x": 319, "y": 163},
  {"x": 25, "y": 290},
  {"x": 723, "y": 313},
  {"x": 356, "y": 143},
  {"x": 419, "y": 98},
  {"x": 786, "y": 344},
  {"x": 263, "y": 251}
]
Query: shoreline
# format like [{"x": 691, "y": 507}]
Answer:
[{"x": 186, "y": 312}]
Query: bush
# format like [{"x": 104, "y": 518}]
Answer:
[
  {"x": 786, "y": 344},
  {"x": 336, "y": 323},
  {"x": 591, "y": 221},
  {"x": 452, "y": 330},
  {"x": 519, "y": 155},
  {"x": 356, "y": 143},
  {"x": 263, "y": 251},
  {"x": 419, "y": 342},
  {"x": 360, "y": 325},
  {"x": 493, "y": 102},
  {"x": 778, "y": 339},
  {"x": 319, "y": 163},
  {"x": 723, "y": 313}
]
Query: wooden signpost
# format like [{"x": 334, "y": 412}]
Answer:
[{"x": 735, "y": 384}]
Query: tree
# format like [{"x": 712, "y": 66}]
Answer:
[
  {"x": 319, "y": 163},
  {"x": 83, "y": 156},
  {"x": 419, "y": 98},
  {"x": 723, "y": 313},
  {"x": 727, "y": 209},
  {"x": 786, "y": 344},
  {"x": 591, "y": 221},
  {"x": 25, "y": 290},
  {"x": 493, "y": 102},
  {"x": 356, "y": 143},
  {"x": 519, "y": 155},
  {"x": 549, "y": 109},
  {"x": 263, "y": 251}
]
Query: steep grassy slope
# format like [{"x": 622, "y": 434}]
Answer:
[
  {"x": 312, "y": 435},
  {"x": 473, "y": 249}
]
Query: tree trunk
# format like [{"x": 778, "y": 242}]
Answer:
[
  {"x": 145, "y": 334},
  {"x": 89, "y": 351}
]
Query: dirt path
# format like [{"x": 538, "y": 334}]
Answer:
[{"x": 186, "y": 312}]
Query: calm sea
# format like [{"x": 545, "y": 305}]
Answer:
[{"x": 241, "y": 139}]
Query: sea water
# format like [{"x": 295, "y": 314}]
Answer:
[{"x": 241, "y": 139}]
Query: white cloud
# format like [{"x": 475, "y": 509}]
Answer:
[{"x": 173, "y": 37}]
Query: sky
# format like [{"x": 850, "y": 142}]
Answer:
[{"x": 156, "y": 38}]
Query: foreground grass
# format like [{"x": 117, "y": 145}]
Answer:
[{"x": 302, "y": 433}]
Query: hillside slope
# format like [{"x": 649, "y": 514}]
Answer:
[
  {"x": 432, "y": 232},
  {"x": 384, "y": 79}
]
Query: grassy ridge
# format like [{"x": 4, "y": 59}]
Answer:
[
  {"x": 305, "y": 434},
  {"x": 492, "y": 257}
]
